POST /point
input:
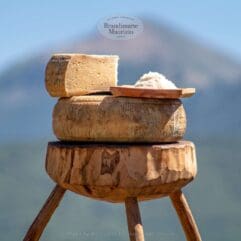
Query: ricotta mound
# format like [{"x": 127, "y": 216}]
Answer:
[{"x": 154, "y": 80}]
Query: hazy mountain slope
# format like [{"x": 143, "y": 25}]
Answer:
[{"x": 26, "y": 108}]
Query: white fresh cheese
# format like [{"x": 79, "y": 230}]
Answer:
[{"x": 154, "y": 80}]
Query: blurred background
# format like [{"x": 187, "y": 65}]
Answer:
[{"x": 194, "y": 43}]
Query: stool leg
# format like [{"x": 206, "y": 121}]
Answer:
[
  {"x": 135, "y": 227},
  {"x": 45, "y": 214},
  {"x": 185, "y": 215}
]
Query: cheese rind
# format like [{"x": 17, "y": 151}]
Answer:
[
  {"x": 76, "y": 74},
  {"x": 117, "y": 119}
]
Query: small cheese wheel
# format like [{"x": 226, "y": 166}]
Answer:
[
  {"x": 118, "y": 119},
  {"x": 76, "y": 74}
]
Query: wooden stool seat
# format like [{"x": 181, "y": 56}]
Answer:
[
  {"x": 121, "y": 173},
  {"x": 114, "y": 172}
]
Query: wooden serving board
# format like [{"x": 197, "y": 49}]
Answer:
[{"x": 152, "y": 93}]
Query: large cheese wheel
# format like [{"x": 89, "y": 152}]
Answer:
[
  {"x": 115, "y": 172},
  {"x": 118, "y": 119}
]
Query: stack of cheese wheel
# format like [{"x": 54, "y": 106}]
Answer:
[{"x": 82, "y": 113}]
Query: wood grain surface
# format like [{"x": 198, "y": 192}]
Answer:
[
  {"x": 152, "y": 93},
  {"x": 185, "y": 215},
  {"x": 44, "y": 215},
  {"x": 114, "y": 172},
  {"x": 135, "y": 228}
]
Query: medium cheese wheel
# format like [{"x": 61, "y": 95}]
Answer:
[
  {"x": 114, "y": 172},
  {"x": 77, "y": 74},
  {"x": 118, "y": 119}
]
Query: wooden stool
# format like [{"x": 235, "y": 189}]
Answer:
[{"x": 121, "y": 173}]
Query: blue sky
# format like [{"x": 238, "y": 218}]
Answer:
[{"x": 29, "y": 26}]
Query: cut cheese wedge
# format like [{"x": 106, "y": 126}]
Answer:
[{"x": 77, "y": 74}]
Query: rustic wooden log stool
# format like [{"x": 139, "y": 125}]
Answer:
[
  {"x": 121, "y": 173},
  {"x": 91, "y": 160}
]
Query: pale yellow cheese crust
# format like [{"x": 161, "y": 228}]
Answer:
[{"x": 75, "y": 74}]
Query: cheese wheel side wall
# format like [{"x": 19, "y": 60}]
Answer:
[{"x": 118, "y": 119}]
